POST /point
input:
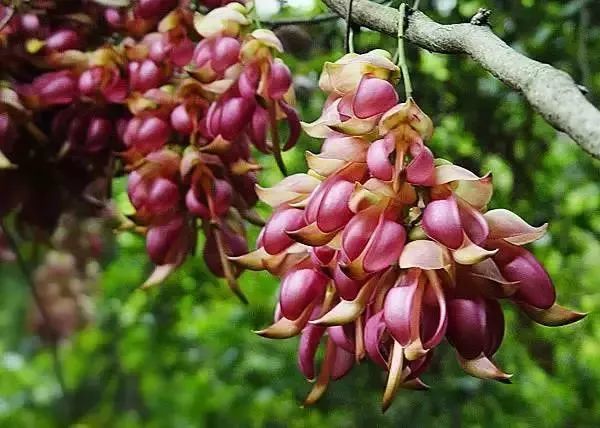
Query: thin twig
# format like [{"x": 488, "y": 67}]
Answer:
[
  {"x": 275, "y": 143},
  {"x": 348, "y": 40},
  {"x": 26, "y": 273},
  {"x": 300, "y": 21},
  {"x": 401, "y": 55}
]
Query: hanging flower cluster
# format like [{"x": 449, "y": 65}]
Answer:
[
  {"x": 384, "y": 250},
  {"x": 67, "y": 279},
  {"x": 180, "y": 96}
]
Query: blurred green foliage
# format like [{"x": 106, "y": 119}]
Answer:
[{"x": 183, "y": 355}]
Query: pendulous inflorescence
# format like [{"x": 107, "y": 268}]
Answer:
[{"x": 383, "y": 250}]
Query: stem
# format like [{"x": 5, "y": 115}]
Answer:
[
  {"x": 349, "y": 40},
  {"x": 416, "y": 5},
  {"x": 301, "y": 21},
  {"x": 25, "y": 272},
  {"x": 229, "y": 276},
  {"x": 275, "y": 141},
  {"x": 401, "y": 53}
]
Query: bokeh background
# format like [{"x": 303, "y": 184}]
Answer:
[{"x": 183, "y": 354}]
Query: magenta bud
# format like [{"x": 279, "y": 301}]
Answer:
[
  {"x": 257, "y": 131},
  {"x": 55, "y": 88},
  {"x": 373, "y": 96},
  {"x": 144, "y": 76},
  {"x": 421, "y": 168},
  {"x": 475, "y": 326},
  {"x": 221, "y": 197},
  {"x": 234, "y": 116},
  {"x": 62, "y": 40},
  {"x": 377, "y": 240},
  {"x": 90, "y": 81},
  {"x": 154, "y": 9},
  {"x": 248, "y": 81},
  {"x": 146, "y": 134},
  {"x": 99, "y": 132},
  {"x": 374, "y": 333},
  {"x": 378, "y": 159},
  {"x": 30, "y": 23},
  {"x": 279, "y": 81},
  {"x": 441, "y": 222},
  {"x": 113, "y": 17},
  {"x": 181, "y": 120},
  {"x": 343, "y": 336},
  {"x": 181, "y": 53},
  {"x": 203, "y": 52},
  {"x": 274, "y": 237},
  {"x": 163, "y": 196},
  {"x": 535, "y": 286},
  {"x": 328, "y": 205},
  {"x": 226, "y": 51},
  {"x": 342, "y": 364},
  {"x": 163, "y": 241},
  {"x": 159, "y": 49},
  {"x": 346, "y": 287},
  {"x": 299, "y": 289},
  {"x": 195, "y": 206},
  {"x": 322, "y": 255},
  {"x": 307, "y": 349}
]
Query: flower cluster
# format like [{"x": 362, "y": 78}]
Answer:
[
  {"x": 384, "y": 250},
  {"x": 180, "y": 96},
  {"x": 67, "y": 278}
]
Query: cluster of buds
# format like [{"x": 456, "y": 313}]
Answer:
[
  {"x": 67, "y": 278},
  {"x": 384, "y": 251},
  {"x": 181, "y": 97},
  {"x": 197, "y": 110}
]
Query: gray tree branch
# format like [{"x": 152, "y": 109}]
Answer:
[{"x": 551, "y": 92}]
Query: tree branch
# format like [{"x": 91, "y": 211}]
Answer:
[{"x": 551, "y": 92}]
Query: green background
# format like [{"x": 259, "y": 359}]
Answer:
[{"x": 183, "y": 354}]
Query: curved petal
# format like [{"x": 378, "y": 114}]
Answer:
[
  {"x": 555, "y": 316},
  {"x": 424, "y": 254},
  {"x": 504, "y": 224},
  {"x": 483, "y": 368},
  {"x": 402, "y": 308},
  {"x": 374, "y": 330},
  {"x": 307, "y": 350}
]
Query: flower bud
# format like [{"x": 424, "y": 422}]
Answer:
[
  {"x": 154, "y": 9},
  {"x": 62, "y": 40},
  {"x": 299, "y": 289},
  {"x": 144, "y": 76},
  {"x": 167, "y": 243},
  {"x": 373, "y": 97},
  {"x": 146, "y": 134},
  {"x": 274, "y": 237},
  {"x": 279, "y": 80},
  {"x": 181, "y": 120},
  {"x": 475, "y": 326}
]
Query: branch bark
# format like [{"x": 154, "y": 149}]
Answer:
[{"x": 551, "y": 92}]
